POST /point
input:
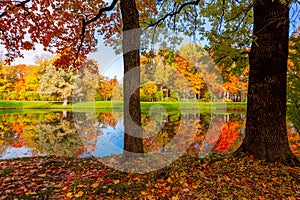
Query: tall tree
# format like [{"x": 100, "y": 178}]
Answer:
[
  {"x": 131, "y": 56},
  {"x": 266, "y": 132}
]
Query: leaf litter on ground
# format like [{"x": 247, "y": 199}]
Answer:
[{"x": 215, "y": 177}]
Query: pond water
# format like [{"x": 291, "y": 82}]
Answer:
[{"x": 83, "y": 134}]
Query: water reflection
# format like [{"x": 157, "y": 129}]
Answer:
[{"x": 102, "y": 134}]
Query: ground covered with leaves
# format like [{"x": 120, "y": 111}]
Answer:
[{"x": 187, "y": 178}]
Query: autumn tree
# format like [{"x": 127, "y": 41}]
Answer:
[
  {"x": 4, "y": 82},
  {"x": 106, "y": 87},
  {"x": 266, "y": 132}
]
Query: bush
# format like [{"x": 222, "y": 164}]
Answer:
[
  {"x": 146, "y": 98},
  {"x": 159, "y": 95}
]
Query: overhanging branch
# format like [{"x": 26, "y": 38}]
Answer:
[
  {"x": 174, "y": 12},
  {"x": 94, "y": 19}
]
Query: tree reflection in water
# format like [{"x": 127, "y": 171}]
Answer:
[{"x": 101, "y": 134}]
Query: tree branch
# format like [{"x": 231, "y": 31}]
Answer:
[
  {"x": 22, "y": 3},
  {"x": 86, "y": 23},
  {"x": 174, "y": 12}
]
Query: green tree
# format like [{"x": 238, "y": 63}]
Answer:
[
  {"x": 149, "y": 90},
  {"x": 58, "y": 83}
]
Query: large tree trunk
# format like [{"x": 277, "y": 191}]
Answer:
[
  {"x": 266, "y": 133},
  {"x": 131, "y": 55}
]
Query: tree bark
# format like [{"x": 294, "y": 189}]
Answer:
[
  {"x": 131, "y": 55},
  {"x": 266, "y": 133}
]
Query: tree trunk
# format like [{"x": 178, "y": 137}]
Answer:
[
  {"x": 65, "y": 102},
  {"x": 131, "y": 55},
  {"x": 266, "y": 133}
]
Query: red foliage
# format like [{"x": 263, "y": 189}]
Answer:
[{"x": 18, "y": 144}]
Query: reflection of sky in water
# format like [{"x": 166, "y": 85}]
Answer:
[
  {"x": 13, "y": 152},
  {"x": 110, "y": 142}
]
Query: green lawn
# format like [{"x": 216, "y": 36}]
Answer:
[
  {"x": 118, "y": 105},
  {"x": 30, "y": 104}
]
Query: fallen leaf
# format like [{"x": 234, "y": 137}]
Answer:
[
  {"x": 109, "y": 191},
  {"x": 69, "y": 194},
  {"x": 79, "y": 194},
  {"x": 94, "y": 185}
]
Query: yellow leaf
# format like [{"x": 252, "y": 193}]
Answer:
[
  {"x": 30, "y": 193},
  {"x": 175, "y": 198},
  {"x": 79, "y": 194},
  {"x": 69, "y": 194},
  {"x": 109, "y": 191},
  {"x": 42, "y": 175},
  {"x": 95, "y": 185},
  {"x": 116, "y": 181},
  {"x": 169, "y": 180},
  {"x": 52, "y": 184}
]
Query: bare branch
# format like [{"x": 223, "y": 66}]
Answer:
[{"x": 174, "y": 12}]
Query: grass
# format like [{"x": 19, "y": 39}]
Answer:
[
  {"x": 31, "y": 105},
  {"x": 118, "y": 105}
]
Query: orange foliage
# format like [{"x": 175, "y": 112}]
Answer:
[
  {"x": 18, "y": 127},
  {"x": 18, "y": 144},
  {"x": 294, "y": 140},
  {"x": 230, "y": 131}
]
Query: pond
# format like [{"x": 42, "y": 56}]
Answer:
[{"x": 84, "y": 134}]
